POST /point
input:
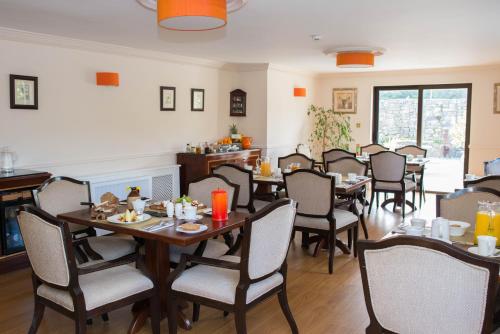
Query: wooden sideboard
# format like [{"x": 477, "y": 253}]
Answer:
[{"x": 194, "y": 166}]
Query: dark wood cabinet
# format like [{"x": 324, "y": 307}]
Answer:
[
  {"x": 238, "y": 103},
  {"x": 194, "y": 166}
]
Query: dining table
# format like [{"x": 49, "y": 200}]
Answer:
[{"x": 156, "y": 249}]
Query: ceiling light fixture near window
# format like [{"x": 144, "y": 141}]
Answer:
[
  {"x": 192, "y": 15},
  {"x": 355, "y": 57}
]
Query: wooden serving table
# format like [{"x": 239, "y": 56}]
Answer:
[{"x": 157, "y": 256}]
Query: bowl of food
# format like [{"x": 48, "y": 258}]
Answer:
[{"x": 458, "y": 228}]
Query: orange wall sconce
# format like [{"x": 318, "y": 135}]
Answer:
[
  {"x": 107, "y": 79},
  {"x": 299, "y": 92}
]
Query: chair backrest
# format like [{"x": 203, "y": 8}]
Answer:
[
  {"x": 462, "y": 205},
  {"x": 335, "y": 154},
  {"x": 388, "y": 166},
  {"x": 201, "y": 190},
  {"x": 48, "y": 245},
  {"x": 490, "y": 181},
  {"x": 313, "y": 191},
  {"x": 373, "y": 148},
  {"x": 63, "y": 194},
  {"x": 267, "y": 238},
  {"x": 241, "y": 177},
  {"x": 303, "y": 149},
  {"x": 347, "y": 165},
  {"x": 408, "y": 283},
  {"x": 492, "y": 167},
  {"x": 304, "y": 161},
  {"x": 411, "y": 149}
]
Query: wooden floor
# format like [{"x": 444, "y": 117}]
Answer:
[{"x": 321, "y": 303}]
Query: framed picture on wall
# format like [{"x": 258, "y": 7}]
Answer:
[
  {"x": 345, "y": 100},
  {"x": 23, "y": 92},
  {"x": 496, "y": 102},
  {"x": 167, "y": 98},
  {"x": 197, "y": 99}
]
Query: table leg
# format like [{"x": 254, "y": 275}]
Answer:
[{"x": 158, "y": 264}]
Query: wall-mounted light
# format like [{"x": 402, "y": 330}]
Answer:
[
  {"x": 299, "y": 92},
  {"x": 107, "y": 79}
]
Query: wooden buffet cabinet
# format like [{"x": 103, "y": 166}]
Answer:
[{"x": 194, "y": 166}]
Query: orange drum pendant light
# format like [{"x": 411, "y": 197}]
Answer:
[
  {"x": 192, "y": 15},
  {"x": 355, "y": 59},
  {"x": 299, "y": 92},
  {"x": 107, "y": 79}
]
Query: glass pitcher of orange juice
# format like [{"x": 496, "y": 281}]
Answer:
[
  {"x": 264, "y": 163},
  {"x": 495, "y": 206},
  {"x": 484, "y": 221}
]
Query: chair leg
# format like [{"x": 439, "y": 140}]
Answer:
[
  {"x": 331, "y": 251},
  {"x": 371, "y": 202},
  {"x": 225, "y": 313},
  {"x": 37, "y": 317},
  {"x": 104, "y": 317},
  {"x": 196, "y": 312},
  {"x": 378, "y": 195},
  {"x": 240, "y": 321},
  {"x": 403, "y": 204},
  {"x": 363, "y": 225},
  {"x": 80, "y": 326},
  {"x": 286, "y": 310},
  {"x": 356, "y": 237},
  {"x": 172, "y": 314},
  {"x": 154, "y": 311},
  {"x": 349, "y": 238},
  {"x": 293, "y": 235}
]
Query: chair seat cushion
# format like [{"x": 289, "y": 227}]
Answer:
[
  {"x": 222, "y": 283},
  {"x": 214, "y": 249},
  {"x": 101, "y": 287},
  {"x": 112, "y": 247},
  {"x": 342, "y": 219},
  {"x": 390, "y": 186}
]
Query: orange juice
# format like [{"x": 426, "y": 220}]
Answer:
[
  {"x": 483, "y": 219},
  {"x": 496, "y": 223},
  {"x": 265, "y": 168}
]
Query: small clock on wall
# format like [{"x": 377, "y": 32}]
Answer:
[{"x": 238, "y": 103}]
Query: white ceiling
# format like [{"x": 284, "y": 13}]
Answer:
[{"x": 416, "y": 34}]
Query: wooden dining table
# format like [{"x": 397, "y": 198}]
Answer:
[{"x": 157, "y": 255}]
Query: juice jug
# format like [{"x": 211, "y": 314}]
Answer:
[
  {"x": 484, "y": 221},
  {"x": 265, "y": 166},
  {"x": 496, "y": 220}
]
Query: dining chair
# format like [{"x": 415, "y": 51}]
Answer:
[
  {"x": 490, "y": 181},
  {"x": 373, "y": 148},
  {"x": 389, "y": 176},
  {"x": 335, "y": 154},
  {"x": 348, "y": 165},
  {"x": 421, "y": 285},
  {"x": 462, "y": 205},
  {"x": 314, "y": 193},
  {"x": 305, "y": 162},
  {"x": 237, "y": 284},
  {"x": 418, "y": 170},
  {"x": 78, "y": 292},
  {"x": 492, "y": 167},
  {"x": 63, "y": 194}
]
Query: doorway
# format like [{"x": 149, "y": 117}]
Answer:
[{"x": 434, "y": 117}]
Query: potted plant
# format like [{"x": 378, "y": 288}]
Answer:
[
  {"x": 235, "y": 136},
  {"x": 330, "y": 130}
]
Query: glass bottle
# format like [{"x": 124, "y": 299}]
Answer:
[
  {"x": 207, "y": 148},
  {"x": 188, "y": 148},
  {"x": 358, "y": 150},
  {"x": 484, "y": 220}
]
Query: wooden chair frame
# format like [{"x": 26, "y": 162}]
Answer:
[
  {"x": 298, "y": 154},
  {"x": 493, "y": 267},
  {"x": 420, "y": 172},
  {"x": 80, "y": 314},
  {"x": 461, "y": 192},
  {"x": 376, "y": 145},
  {"x": 250, "y": 206},
  {"x": 325, "y": 161},
  {"x": 240, "y": 306},
  {"x": 473, "y": 183},
  {"x": 329, "y": 235}
]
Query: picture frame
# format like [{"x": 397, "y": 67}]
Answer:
[
  {"x": 197, "y": 99},
  {"x": 496, "y": 99},
  {"x": 23, "y": 92},
  {"x": 167, "y": 98},
  {"x": 345, "y": 100}
]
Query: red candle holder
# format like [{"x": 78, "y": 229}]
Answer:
[{"x": 219, "y": 205}]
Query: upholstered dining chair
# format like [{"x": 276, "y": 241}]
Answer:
[
  {"x": 490, "y": 181},
  {"x": 304, "y": 161},
  {"x": 389, "y": 176},
  {"x": 418, "y": 170},
  {"x": 63, "y": 194},
  {"x": 492, "y": 167},
  {"x": 236, "y": 284},
  {"x": 335, "y": 154},
  {"x": 314, "y": 193},
  {"x": 78, "y": 292},
  {"x": 348, "y": 165},
  {"x": 421, "y": 285},
  {"x": 373, "y": 148},
  {"x": 462, "y": 205}
]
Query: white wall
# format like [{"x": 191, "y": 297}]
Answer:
[{"x": 485, "y": 126}]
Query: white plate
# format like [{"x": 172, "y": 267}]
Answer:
[
  {"x": 198, "y": 217},
  {"x": 202, "y": 229},
  {"x": 115, "y": 219},
  {"x": 474, "y": 250},
  {"x": 208, "y": 211}
]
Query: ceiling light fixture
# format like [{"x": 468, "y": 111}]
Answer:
[
  {"x": 192, "y": 15},
  {"x": 355, "y": 57}
]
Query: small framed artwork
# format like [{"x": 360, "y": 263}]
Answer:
[
  {"x": 197, "y": 99},
  {"x": 496, "y": 101},
  {"x": 23, "y": 92},
  {"x": 345, "y": 100},
  {"x": 238, "y": 103},
  {"x": 167, "y": 98}
]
